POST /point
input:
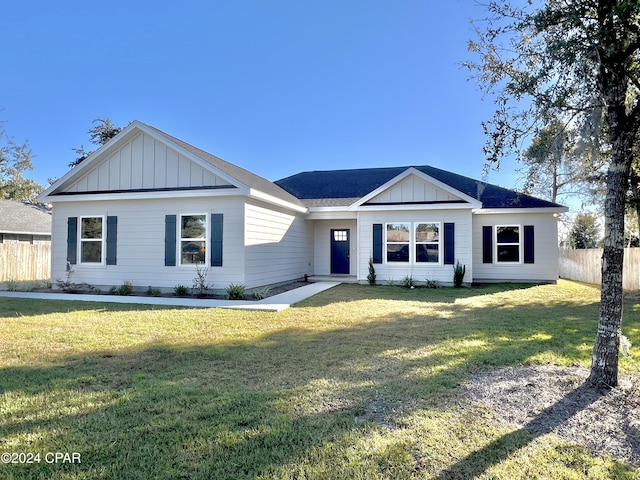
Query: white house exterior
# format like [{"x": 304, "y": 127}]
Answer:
[{"x": 148, "y": 208}]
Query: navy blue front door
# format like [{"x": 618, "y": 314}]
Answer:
[{"x": 340, "y": 251}]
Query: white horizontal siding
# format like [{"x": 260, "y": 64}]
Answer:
[
  {"x": 545, "y": 267},
  {"x": 145, "y": 163},
  {"x": 278, "y": 245},
  {"x": 419, "y": 271},
  {"x": 140, "y": 246}
]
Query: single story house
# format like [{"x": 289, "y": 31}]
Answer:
[
  {"x": 23, "y": 222},
  {"x": 149, "y": 208}
]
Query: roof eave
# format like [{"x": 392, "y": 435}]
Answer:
[
  {"x": 26, "y": 232},
  {"x": 494, "y": 211},
  {"x": 257, "y": 194},
  {"x": 105, "y": 196},
  {"x": 413, "y": 206}
]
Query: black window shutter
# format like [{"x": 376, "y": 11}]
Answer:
[
  {"x": 487, "y": 244},
  {"x": 72, "y": 239},
  {"x": 529, "y": 244},
  {"x": 449, "y": 243},
  {"x": 377, "y": 243},
  {"x": 170, "y": 240},
  {"x": 216, "y": 239},
  {"x": 112, "y": 239}
]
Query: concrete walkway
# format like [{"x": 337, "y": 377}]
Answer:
[{"x": 276, "y": 303}]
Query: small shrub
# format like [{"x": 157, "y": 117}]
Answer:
[
  {"x": 200, "y": 285},
  {"x": 372, "y": 273},
  {"x": 154, "y": 292},
  {"x": 125, "y": 289},
  {"x": 408, "y": 282},
  {"x": 262, "y": 293},
  {"x": 431, "y": 283},
  {"x": 181, "y": 291},
  {"x": 67, "y": 285},
  {"x": 235, "y": 291}
]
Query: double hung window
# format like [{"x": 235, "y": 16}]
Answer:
[
  {"x": 398, "y": 242},
  {"x": 427, "y": 242},
  {"x": 92, "y": 240},
  {"x": 508, "y": 243},
  {"x": 193, "y": 239}
]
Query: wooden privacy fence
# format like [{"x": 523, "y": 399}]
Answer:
[
  {"x": 584, "y": 265},
  {"x": 24, "y": 261}
]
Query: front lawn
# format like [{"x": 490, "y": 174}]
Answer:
[{"x": 357, "y": 382}]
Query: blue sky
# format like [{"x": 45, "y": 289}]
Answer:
[{"x": 274, "y": 86}]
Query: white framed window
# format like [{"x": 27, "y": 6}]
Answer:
[
  {"x": 419, "y": 242},
  {"x": 508, "y": 244},
  {"x": 398, "y": 242},
  {"x": 427, "y": 242},
  {"x": 192, "y": 244},
  {"x": 92, "y": 239}
]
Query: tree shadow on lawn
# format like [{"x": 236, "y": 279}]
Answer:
[
  {"x": 239, "y": 409},
  {"x": 502, "y": 448}
]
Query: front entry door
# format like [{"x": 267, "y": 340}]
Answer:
[{"x": 340, "y": 251}]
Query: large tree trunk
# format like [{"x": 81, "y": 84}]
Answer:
[
  {"x": 604, "y": 363},
  {"x": 613, "y": 83},
  {"x": 635, "y": 197}
]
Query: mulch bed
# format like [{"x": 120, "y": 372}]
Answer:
[{"x": 274, "y": 290}]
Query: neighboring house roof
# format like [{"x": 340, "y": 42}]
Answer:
[
  {"x": 341, "y": 187},
  {"x": 24, "y": 218}
]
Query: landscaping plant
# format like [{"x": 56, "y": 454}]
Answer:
[
  {"x": 235, "y": 291},
  {"x": 371, "y": 277},
  {"x": 458, "y": 274}
]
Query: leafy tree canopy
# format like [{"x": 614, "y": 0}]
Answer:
[
  {"x": 558, "y": 165},
  {"x": 15, "y": 159},
  {"x": 98, "y": 135},
  {"x": 585, "y": 232}
]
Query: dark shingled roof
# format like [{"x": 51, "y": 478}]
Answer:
[{"x": 335, "y": 184}]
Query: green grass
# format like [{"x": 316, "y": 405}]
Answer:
[{"x": 357, "y": 382}]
